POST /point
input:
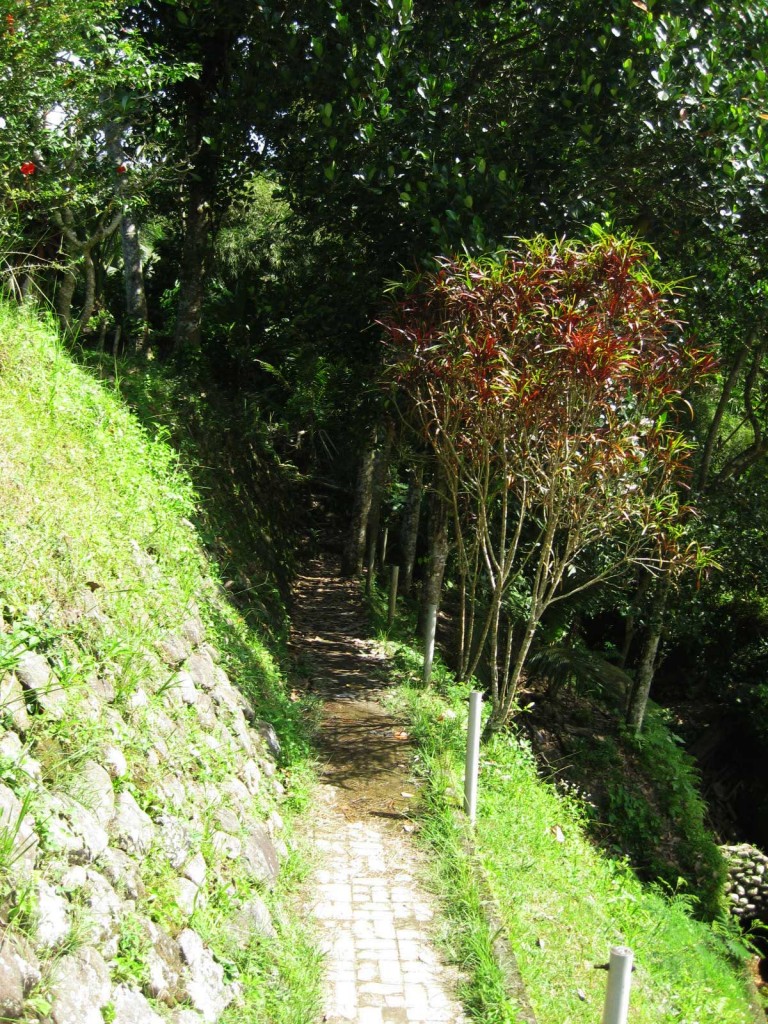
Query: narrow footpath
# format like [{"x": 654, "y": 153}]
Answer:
[{"x": 378, "y": 922}]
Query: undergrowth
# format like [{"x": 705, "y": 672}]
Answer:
[{"x": 563, "y": 902}]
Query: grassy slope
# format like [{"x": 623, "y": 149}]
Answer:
[
  {"x": 98, "y": 559},
  {"x": 563, "y": 903}
]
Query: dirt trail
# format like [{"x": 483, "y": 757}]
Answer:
[{"x": 377, "y": 921}]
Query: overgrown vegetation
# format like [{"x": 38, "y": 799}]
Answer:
[
  {"x": 99, "y": 563},
  {"x": 546, "y": 382},
  {"x": 563, "y": 903}
]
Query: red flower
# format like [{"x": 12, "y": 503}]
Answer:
[
  {"x": 27, "y": 168},
  {"x": 121, "y": 169}
]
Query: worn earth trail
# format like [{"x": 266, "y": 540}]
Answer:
[{"x": 376, "y": 919}]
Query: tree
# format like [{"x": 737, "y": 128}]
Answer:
[
  {"x": 548, "y": 383},
  {"x": 75, "y": 141}
]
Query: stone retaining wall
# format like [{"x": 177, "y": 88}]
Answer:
[
  {"x": 747, "y": 885},
  {"x": 121, "y": 815}
]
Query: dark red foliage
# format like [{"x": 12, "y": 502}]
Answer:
[{"x": 561, "y": 359}]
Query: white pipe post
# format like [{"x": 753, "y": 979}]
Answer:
[
  {"x": 473, "y": 755},
  {"x": 384, "y": 544},
  {"x": 394, "y": 575},
  {"x": 429, "y": 640},
  {"x": 619, "y": 981}
]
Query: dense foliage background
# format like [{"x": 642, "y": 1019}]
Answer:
[{"x": 229, "y": 189}]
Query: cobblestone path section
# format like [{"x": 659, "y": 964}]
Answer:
[{"x": 376, "y": 920}]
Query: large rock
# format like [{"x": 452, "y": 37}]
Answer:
[
  {"x": 131, "y": 1007},
  {"x": 268, "y": 734},
  {"x": 36, "y": 676},
  {"x": 173, "y": 649},
  {"x": 259, "y": 856},
  {"x": 251, "y": 774},
  {"x": 105, "y": 909},
  {"x": 193, "y": 630},
  {"x": 172, "y": 790},
  {"x": 122, "y": 872},
  {"x": 237, "y": 792},
  {"x": 21, "y": 826},
  {"x": 115, "y": 762},
  {"x": 11, "y": 985},
  {"x": 245, "y": 737},
  {"x": 206, "y": 711},
  {"x": 205, "y": 986},
  {"x": 27, "y": 962},
  {"x": 103, "y": 689},
  {"x": 95, "y": 791},
  {"x": 227, "y": 820},
  {"x": 164, "y": 965},
  {"x": 228, "y": 696},
  {"x": 132, "y": 829},
  {"x": 51, "y": 920},
  {"x": 13, "y": 703},
  {"x": 195, "y": 870},
  {"x": 201, "y": 668},
  {"x": 184, "y": 686},
  {"x": 189, "y": 897},
  {"x": 186, "y": 1017},
  {"x": 85, "y": 825},
  {"x": 253, "y": 920},
  {"x": 175, "y": 837},
  {"x": 80, "y": 988},
  {"x": 225, "y": 845},
  {"x": 60, "y": 839}
]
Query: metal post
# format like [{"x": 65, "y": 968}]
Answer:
[
  {"x": 473, "y": 755},
  {"x": 619, "y": 981},
  {"x": 429, "y": 640},
  {"x": 384, "y": 544},
  {"x": 394, "y": 574}
]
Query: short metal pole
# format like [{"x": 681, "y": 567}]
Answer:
[
  {"x": 619, "y": 981},
  {"x": 473, "y": 755},
  {"x": 394, "y": 574},
  {"x": 429, "y": 640},
  {"x": 384, "y": 544}
]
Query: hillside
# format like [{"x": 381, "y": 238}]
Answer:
[{"x": 143, "y": 851}]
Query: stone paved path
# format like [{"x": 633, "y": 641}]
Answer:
[{"x": 376, "y": 920}]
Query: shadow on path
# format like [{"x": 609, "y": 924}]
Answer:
[{"x": 366, "y": 753}]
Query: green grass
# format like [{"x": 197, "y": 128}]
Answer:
[
  {"x": 562, "y": 901},
  {"x": 281, "y": 977},
  {"x": 99, "y": 558}
]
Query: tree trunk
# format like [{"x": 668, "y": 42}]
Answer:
[
  {"x": 89, "y": 300},
  {"x": 381, "y": 462},
  {"x": 714, "y": 427},
  {"x": 630, "y": 620},
  {"x": 409, "y": 530},
  {"x": 65, "y": 292},
  {"x": 641, "y": 688},
  {"x": 194, "y": 262},
  {"x": 136, "y": 312},
  {"x": 438, "y": 555},
  {"x": 354, "y": 551},
  {"x": 430, "y": 603}
]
